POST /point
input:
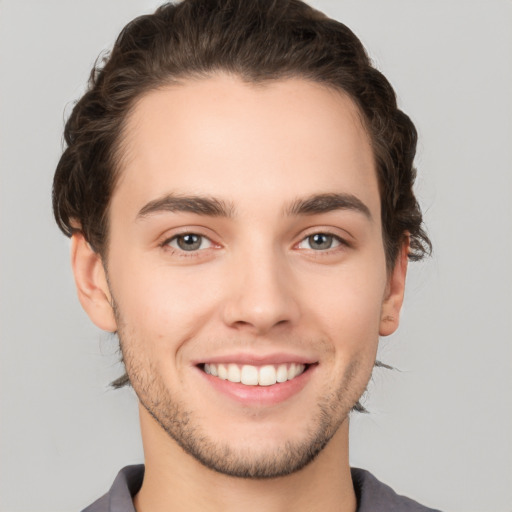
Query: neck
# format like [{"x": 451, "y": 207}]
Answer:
[{"x": 174, "y": 480}]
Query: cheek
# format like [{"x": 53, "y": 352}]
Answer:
[
  {"x": 353, "y": 297},
  {"x": 161, "y": 302},
  {"x": 349, "y": 309}
]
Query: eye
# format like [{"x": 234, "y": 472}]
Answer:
[
  {"x": 189, "y": 242},
  {"x": 320, "y": 242}
]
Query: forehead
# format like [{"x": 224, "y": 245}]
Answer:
[{"x": 224, "y": 137}]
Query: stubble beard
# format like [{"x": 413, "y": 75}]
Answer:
[{"x": 181, "y": 424}]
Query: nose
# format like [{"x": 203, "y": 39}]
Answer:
[{"x": 260, "y": 294}]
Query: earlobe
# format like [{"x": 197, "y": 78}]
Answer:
[
  {"x": 392, "y": 304},
  {"x": 91, "y": 283}
]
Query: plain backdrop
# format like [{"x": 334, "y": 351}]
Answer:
[{"x": 440, "y": 426}]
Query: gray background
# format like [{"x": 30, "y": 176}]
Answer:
[{"x": 440, "y": 427}]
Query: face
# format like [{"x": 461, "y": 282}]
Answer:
[{"x": 247, "y": 268}]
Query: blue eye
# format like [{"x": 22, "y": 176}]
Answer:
[
  {"x": 320, "y": 242},
  {"x": 190, "y": 242}
]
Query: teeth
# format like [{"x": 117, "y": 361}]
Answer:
[
  {"x": 291, "y": 371},
  {"x": 249, "y": 375},
  {"x": 282, "y": 373},
  {"x": 222, "y": 371},
  {"x": 267, "y": 376},
  {"x": 233, "y": 373}
]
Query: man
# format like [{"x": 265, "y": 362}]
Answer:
[{"x": 238, "y": 189}]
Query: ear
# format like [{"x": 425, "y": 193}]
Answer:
[
  {"x": 91, "y": 283},
  {"x": 394, "y": 296}
]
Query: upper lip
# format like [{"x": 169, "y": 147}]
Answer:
[{"x": 257, "y": 359}]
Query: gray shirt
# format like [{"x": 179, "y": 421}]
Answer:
[{"x": 372, "y": 495}]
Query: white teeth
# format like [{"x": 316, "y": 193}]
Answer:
[
  {"x": 249, "y": 375},
  {"x": 267, "y": 376},
  {"x": 222, "y": 371},
  {"x": 233, "y": 373},
  {"x": 282, "y": 373}
]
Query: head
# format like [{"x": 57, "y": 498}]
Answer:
[{"x": 260, "y": 54}]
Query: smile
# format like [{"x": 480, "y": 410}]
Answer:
[{"x": 249, "y": 375}]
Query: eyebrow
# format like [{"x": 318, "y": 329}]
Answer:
[
  {"x": 323, "y": 203},
  {"x": 201, "y": 205},
  {"x": 214, "y": 207}
]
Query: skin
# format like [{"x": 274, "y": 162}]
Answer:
[{"x": 257, "y": 286}]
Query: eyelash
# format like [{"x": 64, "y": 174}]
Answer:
[
  {"x": 181, "y": 252},
  {"x": 335, "y": 238},
  {"x": 342, "y": 243}
]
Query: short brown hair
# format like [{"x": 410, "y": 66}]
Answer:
[{"x": 258, "y": 40}]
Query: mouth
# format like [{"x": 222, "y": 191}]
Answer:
[
  {"x": 256, "y": 380},
  {"x": 252, "y": 375}
]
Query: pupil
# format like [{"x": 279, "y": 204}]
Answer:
[
  {"x": 189, "y": 242},
  {"x": 321, "y": 241},
  {"x": 190, "y": 239}
]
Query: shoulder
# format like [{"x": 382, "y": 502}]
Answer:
[
  {"x": 100, "y": 505},
  {"x": 119, "y": 497},
  {"x": 374, "y": 496}
]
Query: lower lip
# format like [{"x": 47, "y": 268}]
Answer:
[{"x": 260, "y": 395}]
